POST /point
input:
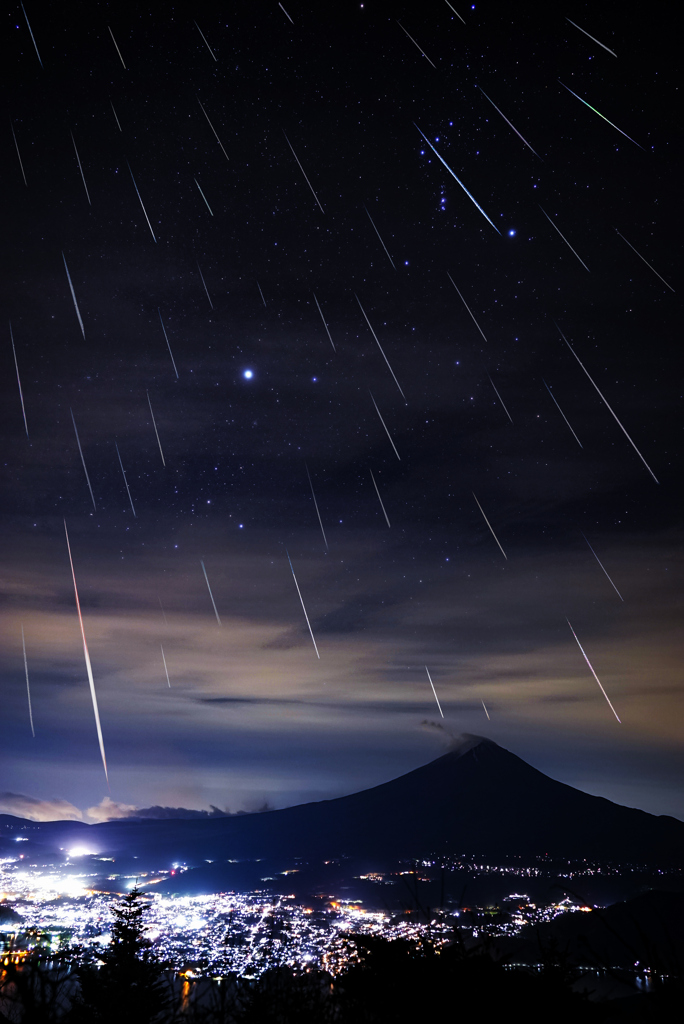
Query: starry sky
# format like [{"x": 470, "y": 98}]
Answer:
[{"x": 335, "y": 283}]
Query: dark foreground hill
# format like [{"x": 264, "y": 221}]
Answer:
[{"x": 478, "y": 799}]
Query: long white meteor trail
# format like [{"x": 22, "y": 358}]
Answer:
[
  {"x": 210, "y": 593},
  {"x": 16, "y": 146},
  {"x": 28, "y": 24},
  {"x": 380, "y": 499},
  {"x": 117, "y": 48},
  {"x": 454, "y": 10},
  {"x": 204, "y": 197},
  {"x": 125, "y": 480},
  {"x": 87, "y": 660},
  {"x": 78, "y": 161},
  {"x": 28, "y": 688},
  {"x": 304, "y": 173},
  {"x": 601, "y": 116},
  {"x": 167, "y": 342},
  {"x": 16, "y": 366},
  {"x": 324, "y": 322},
  {"x": 592, "y": 671},
  {"x": 370, "y": 327},
  {"x": 608, "y": 406},
  {"x": 303, "y": 608},
  {"x": 205, "y": 285},
  {"x": 416, "y": 45},
  {"x": 154, "y": 424},
  {"x": 604, "y": 569},
  {"x": 490, "y": 526},
  {"x": 213, "y": 129},
  {"x": 286, "y": 14},
  {"x": 434, "y": 691},
  {"x": 563, "y": 414},
  {"x": 564, "y": 239},
  {"x": 593, "y": 39},
  {"x": 645, "y": 261},
  {"x": 78, "y": 442},
  {"x": 466, "y": 306},
  {"x": 496, "y": 391},
  {"x": 472, "y": 199},
  {"x": 485, "y": 711},
  {"x": 118, "y": 123},
  {"x": 73, "y": 296},
  {"x": 380, "y": 237},
  {"x": 205, "y": 42},
  {"x": 385, "y": 426},
  {"x": 141, "y": 203},
  {"x": 165, "y": 668},
  {"x": 508, "y": 122},
  {"x": 316, "y": 504}
]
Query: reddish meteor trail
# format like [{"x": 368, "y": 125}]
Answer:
[
  {"x": 87, "y": 660},
  {"x": 593, "y": 673}
]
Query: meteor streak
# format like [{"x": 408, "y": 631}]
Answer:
[
  {"x": 73, "y": 296},
  {"x": 381, "y": 241},
  {"x": 78, "y": 160},
  {"x": 204, "y": 283},
  {"x": 324, "y": 323},
  {"x": 466, "y": 306},
  {"x": 285, "y": 13},
  {"x": 563, "y": 414},
  {"x": 87, "y": 661},
  {"x": 592, "y": 672},
  {"x": 601, "y": 115},
  {"x": 115, "y": 117},
  {"x": 141, "y": 203},
  {"x": 204, "y": 197},
  {"x": 28, "y": 25},
  {"x": 454, "y": 10},
  {"x": 604, "y": 569},
  {"x": 485, "y": 710},
  {"x": 205, "y": 41},
  {"x": 210, "y": 593},
  {"x": 125, "y": 480},
  {"x": 608, "y": 406},
  {"x": 379, "y": 498},
  {"x": 167, "y": 342},
  {"x": 165, "y": 668},
  {"x": 303, "y": 608},
  {"x": 434, "y": 691},
  {"x": 380, "y": 346},
  {"x": 499, "y": 396},
  {"x": 385, "y": 426},
  {"x": 117, "y": 48},
  {"x": 78, "y": 442},
  {"x": 508, "y": 122},
  {"x": 490, "y": 526},
  {"x": 28, "y": 688},
  {"x": 303, "y": 172},
  {"x": 154, "y": 424},
  {"x": 16, "y": 146},
  {"x": 645, "y": 261},
  {"x": 416, "y": 44},
  {"x": 316, "y": 504},
  {"x": 472, "y": 199},
  {"x": 16, "y": 365},
  {"x": 261, "y": 293},
  {"x": 590, "y": 37},
  {"x": 564, "y": 239},
  {"x": 212, "y": 128}
]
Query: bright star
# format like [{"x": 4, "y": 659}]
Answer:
[
  {"x": 248, "y": 374},
  {"x": 512, "y": 232}
]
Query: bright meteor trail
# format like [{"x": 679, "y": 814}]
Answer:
[
  {"x": 210, "y": 593},
  {"x": 467, "y": 307},
  {"x": 16, "y": 365},
  {"x": 434, "y": 691},
  {"x": 78, "y": 161},
  {"x": 592, "y": 672},
  {"x": 646, "y": 262},
  {"x": 304, "y": 173},
  {"x": 212, "y": 128},
  {"x": 87, "y": 660},
  {"x": 16, "y": 146},
  {"x": 490, "y": 526},
  {"x": 78, "y": 442},
  {"x": 316, "y": 504},
  {"x": 28, "y": 25},
  {"x": 380, "y": 347},
  {"x": 604, "y": 569},
  {"x": 458, "y": 180},
  {"x": 590, "y": 37},
  {"x": 125, "y": 480},
  {"x": 416, "y": 45},
  {"x": 303, "y": 608},
  {"x": 563, "y": 414},
  {"x": 154, "y": 424},
  {"x": 508, "y": 122},
  {"x": 73, "y": 296},
  {"x": 165, "y": 668},
  {"x": 564, "y": 239},
  {"x": 117, "y": 48},
  {"x": 142, "y": 204},
  {"x": 385, "y": 426},
  {"x": 28, "y": 688},
  {"x": 379, "y": 498},
  {"x": 167, "y": 342},
  {"x": 601, "y": 115},
  {"x": 323, "y": 319},
  {"x": 607, "y": 406}
]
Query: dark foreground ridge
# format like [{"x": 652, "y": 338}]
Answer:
[{"x": 478, "y": 798}]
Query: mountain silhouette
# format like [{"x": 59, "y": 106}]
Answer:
[{"x": 478, "y": 799}]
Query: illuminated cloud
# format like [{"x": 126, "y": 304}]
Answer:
[{"x": 38, "y": 810}]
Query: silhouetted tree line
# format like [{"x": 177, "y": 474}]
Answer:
[{"x": 387, "y": 982}]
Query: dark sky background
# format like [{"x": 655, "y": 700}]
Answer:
[{"x": 252, "y": 716}]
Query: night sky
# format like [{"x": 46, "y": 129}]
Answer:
[{"x": 289, "y": 195}]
